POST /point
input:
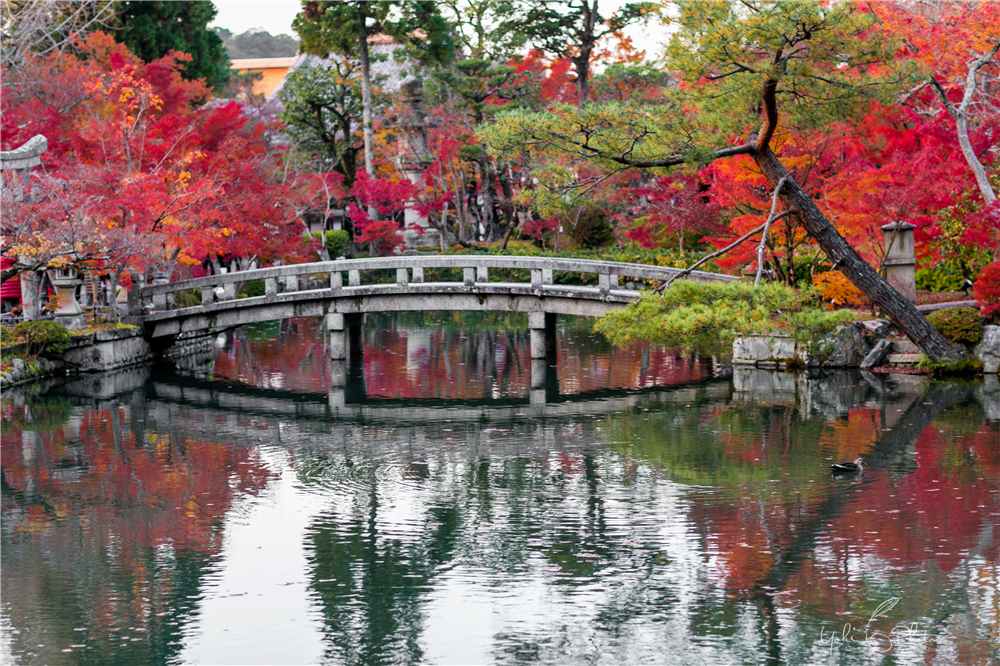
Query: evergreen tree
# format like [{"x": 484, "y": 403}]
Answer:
[
  {"x": 343, "y": 28},
  {"x": 152, "y": 29},
  {"x": 742, "y": 65},
  {"x": 572, "y": 29}
]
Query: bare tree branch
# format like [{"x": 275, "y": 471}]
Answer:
[
  {"x": 767, "y": 227},
  {"x": 721, "y": 252}
]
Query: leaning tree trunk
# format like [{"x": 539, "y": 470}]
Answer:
[{"x": 857, "y": 270}]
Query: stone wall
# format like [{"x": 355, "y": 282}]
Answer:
[
  {"x": 846, "y": 347},
  {"x": 107, "y": 350},
  {"x": 104, "y": 351}
]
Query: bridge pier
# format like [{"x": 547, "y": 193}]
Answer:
[
  {"x": 544, "y": 382},
  {"x": 543, "y": 335},
  {"x": 346, "y": 334},
  {"x": 347, "y": 381}
]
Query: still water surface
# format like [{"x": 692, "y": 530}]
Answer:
[{"x": 442, "y": 506}]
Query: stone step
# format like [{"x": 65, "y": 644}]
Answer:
[
  {"x": 903, "y": 359},
  {"x": 904, "y": 347}
]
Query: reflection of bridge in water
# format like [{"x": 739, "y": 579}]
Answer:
[
  {"x": 350, "y": 403},
  {"x": 344, "y": 307}
]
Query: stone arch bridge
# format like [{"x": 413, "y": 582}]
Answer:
[{"x": 289, "y": 292}]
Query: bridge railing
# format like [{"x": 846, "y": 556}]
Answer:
[{"x": 410, "y": 271}]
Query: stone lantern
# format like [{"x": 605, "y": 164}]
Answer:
[
  {"x": 413, "y": 158},
  {"x": 900, "y": 258},
  {"x": 65, "y": 280}
]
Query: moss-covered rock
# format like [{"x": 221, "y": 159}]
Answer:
[{"x": 958, "y": 325}]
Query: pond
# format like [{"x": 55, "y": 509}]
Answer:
[{"x": 447, "y": 502}]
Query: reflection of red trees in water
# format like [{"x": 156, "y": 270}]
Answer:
[
  {"x": 117, "y": 510},
  {"x": 181, "y": 486},
  {"x": 445, "y": 363},
  {"x": 933, "y": 515},
  {"x": 295, "y": 359}
]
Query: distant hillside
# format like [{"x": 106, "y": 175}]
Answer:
[{"x": 257, "y": 44}]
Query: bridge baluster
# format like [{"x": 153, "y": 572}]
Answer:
[
  {"x": 292, "y": 283},
  {"x": 418, "y": 274},
  {"x": 482, "y": 274},
  {"x": 614, "y": 281},
  {"x": 469, "y": 276},
  {"x": 160, "y": 300},
  {"x": 207, "y": 295},
  {"x": 354, "y": 278},
  {"x": 230, "y": 289},
  {"x": 546, "y": 276},
  {"x": 604, "y": 283},
  {"x": 270, "y": 288},
  {"x": 402, "y": 277},
  {"x": 536, "y": 278},
  {"x": 336, "y": 280}
]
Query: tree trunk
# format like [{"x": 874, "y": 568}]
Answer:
[
  {"x": 903, "y": 313},
  {"x": 582, "y": 59},
  {"x": 486, "y": 189},
  {"x": 366, "y": 99}
]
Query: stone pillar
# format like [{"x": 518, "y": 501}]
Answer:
[
  {"x": 160, "y": 300},
  {"x": 539, "y": 368},
  {"x": 135, "y": 304},
  {"x": 338, "y": 382},
  {"x": 338, "y": 336},
  {"x": 543, "y": 335},
  {"x": 544, "y": 382},
  {"x": 30, "y": 307},
  {"x": 900, "y": 258}
]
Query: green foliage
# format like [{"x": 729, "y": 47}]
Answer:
[
  {"x": 337, "y": 242},
  {"x": 486, "y": 29},
  {"x": 152, "y": 29},
  {"x": 965, "y": 366},
  {"x": 187, "y": 298},
  {"x": 252, "y": 288},
  {"x": 944, "y": 275},
  {"x": 590, "y": 228},
  {"x": 700, "y": 316},
  {"x": 42, "y": 337},
  {"x": 959, "y": 325},
  {"x": 819, "y": 56},
  {"x": 326, "y": 27},
  {"x": 321, "y": 105},
  {"x": 7, "y": 336}
]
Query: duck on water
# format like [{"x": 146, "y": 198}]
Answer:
[{"x": 855, "y": 467}]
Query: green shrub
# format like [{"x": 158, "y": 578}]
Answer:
[
  {"x": 42, "y": 337},
  {"x": 7, "y": 336},
  {"x": 187, "y": 298},
  {"x": 590, "y": 228},
  {"x": 958, "y": 325},
  {"x": 252, "y": 288},
  {"x": 338, "y": 242},
  {"x": 700, "y": 316},
  {"x": 943, "y": 276},
  {"x": 966, "y": 366}
]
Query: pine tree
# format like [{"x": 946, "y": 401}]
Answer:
[
  {"x": 343, "y": 28},
  {"x": 152, "y": 29}
]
